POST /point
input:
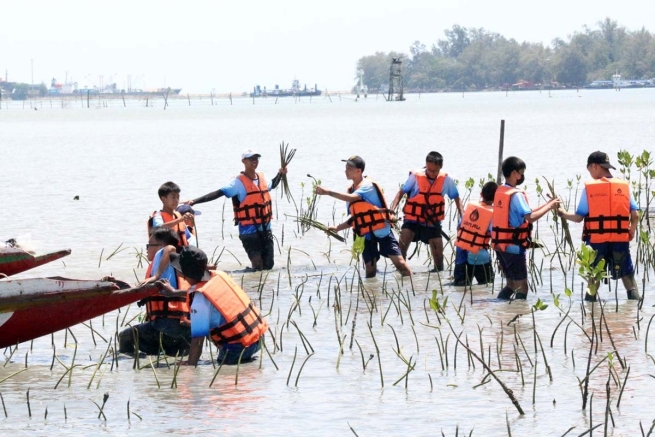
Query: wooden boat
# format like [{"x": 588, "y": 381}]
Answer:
[
  {"x": 30, "y": 308},
  {"x": 15, "y": 260}
]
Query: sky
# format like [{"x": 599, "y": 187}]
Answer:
[{"x": 223, "y": 46}]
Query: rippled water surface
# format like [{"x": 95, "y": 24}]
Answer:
[{"x": 115, "y": 158}]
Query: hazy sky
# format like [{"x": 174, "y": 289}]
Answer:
[{"x": 231, "y": 46}]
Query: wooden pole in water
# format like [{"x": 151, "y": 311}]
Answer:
[
  {"x": 211, "y": 96},
  {"x": 166, "y": 99},
  {"x": 188, "y": 98},
  {"x": 500, "y": 151},
  {"x": 88, "y": 93},
  {"x": 230, "y": 98},
  {"x": 123, "y": 96}
]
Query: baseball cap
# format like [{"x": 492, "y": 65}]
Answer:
[
  {"x": 249, "y": 153},
  {"x": 183, "y": 209},
  {"x": 355, "y": 161},
  {"x": 600, "y": 158},
  {"x": 192, "y": 263}
]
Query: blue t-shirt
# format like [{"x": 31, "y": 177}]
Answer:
[
  {"x": 169, "y": 272},
  {"x": 236, "y": 188},
  {"x": 518, "y": 209},
  {"x": 369, "y": 194},
  {"x": 204, "y": 316},
  {"x": 583, "y": 205}
]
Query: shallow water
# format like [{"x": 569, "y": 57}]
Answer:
[{"x": 115, "y": 158}]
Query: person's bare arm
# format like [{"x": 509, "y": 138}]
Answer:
[
  {"x": 542, "y": 210},
  {"x": 396, "y": 200},
  {"x": 634, "y": 221},
  {"x": 195, "y": 350},
  {"x": 346, "y": 197}
]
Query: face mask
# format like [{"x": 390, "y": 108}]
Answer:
[{"x": 520, "y": 181}]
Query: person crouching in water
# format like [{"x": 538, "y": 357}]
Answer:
[
  {"x": 168, "y": 326},
  {"x": 219, "y": 308},
  {"x": 472, "y": 257},
  {"x": 512, "y": 228},
  {"x": 369, "y": 218},
  {"x": 610, "y": 221}
]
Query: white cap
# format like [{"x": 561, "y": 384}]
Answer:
[{"x": 249, "y": 153}]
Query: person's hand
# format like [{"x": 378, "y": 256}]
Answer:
[
  {"x": 166, "y": 288},
  {"x": 332, "y": 229},
  {"x": 188, "y": 202},
  {"x": 631, "y": 233},
  {"x": 148, "y": 281},
  {"x": 283, "y": 170},
  {"x": 555, "y": 203},
  {"x": 320, "y": 190}
]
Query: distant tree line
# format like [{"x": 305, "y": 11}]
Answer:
[{"x": 479, "y": 59}]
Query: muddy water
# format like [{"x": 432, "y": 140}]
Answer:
[{"x": 115, "y": 158}]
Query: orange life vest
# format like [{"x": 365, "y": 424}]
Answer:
[
  {"x": 473, "y": 233},
  {"x": 502, "y": 234},
  {"x": 179, "y": 228},
  {"x": 243, "y": 323},
  {"x": 159, "y": 306},
  {"x": 256, "y": 207},
  {"x": 609, "y": 211},
  {"x": 366, "y": 217},
  {"x": 428, "y": 205}
]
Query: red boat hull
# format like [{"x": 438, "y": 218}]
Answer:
[
  {"x": 14, "y": 261},
  {"x": 29, "y": 315}
]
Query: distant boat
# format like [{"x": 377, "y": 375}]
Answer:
[
  {"x": 14, "y": 260},
  {"x": 617, "y": 82},
  {"x": 31, "y": 308},
  {"x": 294, "y": 91}
]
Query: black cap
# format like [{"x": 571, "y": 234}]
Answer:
[
  {"x": 192, "y": 263},
  {"x": 600, "y": 158},
  {"x": 355, "y": 161},
  {"x": 184, "y": 208}
]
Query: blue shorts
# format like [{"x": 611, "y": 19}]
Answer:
[
  {"x": 375, "y": 246},
  {"x": 618, "y": 261},
  {"x": 229, "y": 353},
  {"x": 513, "y": 265}
]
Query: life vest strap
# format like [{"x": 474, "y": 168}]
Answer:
[
  {"x": 248, "y": 328},
  {"x": 601, "y": 220},
  {"x": 464, "y": 233}
]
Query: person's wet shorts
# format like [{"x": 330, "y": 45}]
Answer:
[
  {"x": 260, "y": 244},
  {"x": 160, "y": 333},
  {"x": 374, "y": 247},
  {"x": 423, "y": 233},
  {"x": 231, "y": 353},
  {"x": 618, "y": 261},
  {"x": 513, "y": 265}
]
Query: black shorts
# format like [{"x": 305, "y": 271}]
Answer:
[
  {"x": 618, "y": 261},
  {"x": 423, "y": 233},
  {"x": 513, "y": 265},
  {"x": 174, "y": 338},
  {"x": 374, "y": 247},
  {"x": 260, "y": 244}
]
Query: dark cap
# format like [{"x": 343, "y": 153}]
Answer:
[
  {"x": 183, "y": 209},
  {"x": 192, "y": 263},
  {"x": 600, "y": 158},
  {"x": 355, "y": 161}
]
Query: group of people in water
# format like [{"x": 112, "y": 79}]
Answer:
[{"x": 196, "y": 302}]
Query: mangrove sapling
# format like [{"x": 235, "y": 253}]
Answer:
[
  {"x": 507, "y": 391},
  {"x": 301, "y": 367},
  {"x": 377, "y": 353},
  {"x": 295, "y": 353}
]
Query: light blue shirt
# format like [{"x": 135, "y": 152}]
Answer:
[
  {"x": 518, "y": 209},
  {"x": 204, "y": 315},
  {"x": 369, "y": 194},
  {"x": 235, "y": 188},
  {"x": 169, "y": 272},
  {"x": 583, "y": 205},
  {"x": 480, "y": 258}
]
